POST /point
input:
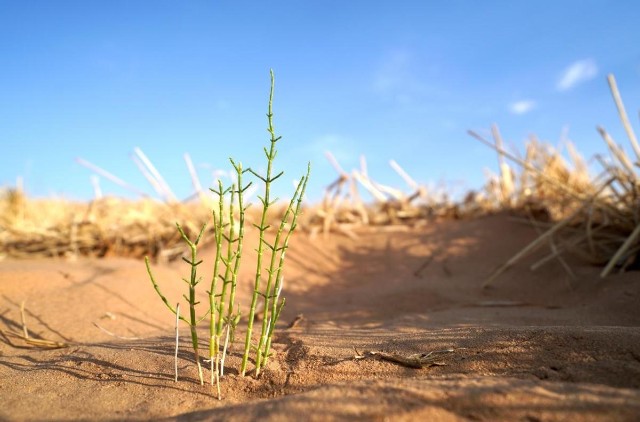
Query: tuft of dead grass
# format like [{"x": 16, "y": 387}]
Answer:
[
  {"x": 595, "y": 217},
  {"x": 102, "y": 227}
]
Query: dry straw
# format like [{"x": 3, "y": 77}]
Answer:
[{"x": 596, "y": 217}]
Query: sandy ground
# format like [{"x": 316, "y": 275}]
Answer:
[{"x": 538, "y": 346}]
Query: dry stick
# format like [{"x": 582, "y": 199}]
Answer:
[
  {"x": 416, "y": 360},
  {"x": 25, "y": 334},
  {"x": 331, "y": 201},
  {"x": 613, "y": 86},
  {"x": 555, "y": 253},
  {"x": 147, "y": 175},
  {"x": 366, "y": 183},
  {"x": 506, "y": 181},
  {"x": 49, "y": 344},
  {"x": 617, "y": 152},
  {"x": 177, "y": 340},
  {"x": 626, "y": 245},
  {"x": 95, "y": 182},
  {"x": 195, "y": 180},
  {"x": 578, "y": 162},
  {"x": 156, "y": 174},
  {"x": 24, "y": 321},
  {"x": 538, "y": 241},
  {"x": 397, "y": 194},
  {"x": 363, "y": 165},
  {"x": 420, "y": 191},
  {"x": 101, "y": 328},
  {"x": 403, "y": 174},
  {"x": 110, "y": 176},
  {"x": 334, "y": 163},
  {"x": 356, "y": 200}
]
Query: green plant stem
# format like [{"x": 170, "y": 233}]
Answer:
[
  {"x": 214, "y": 341},
  {"x": 157, "y": 289},
  {"x": 276, "y": 308},
  {"x": 226, "y": 278},
  {"x": 238, "y": 253},
  {"x": 193, "y": 282},
  {"x": 272, "y": 292},
  {"x": 271, "y": 154}
]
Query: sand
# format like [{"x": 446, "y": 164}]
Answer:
[{"x": 537, "y": 346}]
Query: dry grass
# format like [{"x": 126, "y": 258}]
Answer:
[
  {"x": 596, "y": 217},
  {"x": 103, "y": 227}
]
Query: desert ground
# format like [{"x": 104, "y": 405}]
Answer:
[{"x": 535, "y": 346}]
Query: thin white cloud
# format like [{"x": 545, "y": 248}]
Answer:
[
  {"x": 522, "y": 106},
  {"x": 407, "y": 79},
  {"x": 577, "y": 73},
  {"x": 403, "y": 76},
  {"x": 394, "y": 72},
  {"x": 341, "y": 147}
]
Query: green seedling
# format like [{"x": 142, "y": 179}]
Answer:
[
  {"x": 192, "y": 282},
  {"x": 229, "y": 232},
  {"x": 271, "y": 289}
]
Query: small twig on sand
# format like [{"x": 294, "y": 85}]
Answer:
[
  {"x": 24, "y": 336},
  {"x": 416, "y": 360},
  {"x": 297, "y": 320},
  {"x": 42, "y": 343},
  {"x": 24, "y": 321},
  {"x": 113, "y": 334}
]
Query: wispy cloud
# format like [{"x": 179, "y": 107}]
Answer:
[
  {"x": 577, "y": 73},
  {"x": 393, "y": 72},
  {"x": 401, "y": 75},
  {"x": 522, "y": 106},
  {"x": 342, "y": 148}
]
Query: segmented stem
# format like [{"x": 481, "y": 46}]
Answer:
[{"x": 271, "y": 154}]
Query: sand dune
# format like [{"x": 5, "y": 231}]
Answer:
[{"x": 536, "y": 346}]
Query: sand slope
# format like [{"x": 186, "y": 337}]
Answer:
[{"x": 537, "y": 346}]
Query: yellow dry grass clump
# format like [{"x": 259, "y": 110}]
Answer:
[
  {"x": 596, "y": 217},
  {"x": 103, "y": 227}
]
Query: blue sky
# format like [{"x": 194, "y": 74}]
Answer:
[{"x": 391, "y": 80}]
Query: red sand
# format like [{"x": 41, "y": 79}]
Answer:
[{"x": 537, "y": 346}]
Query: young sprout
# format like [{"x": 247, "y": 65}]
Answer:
[
  {"x": 270, "y": 293},
  {"x": 191, "y": 299},
  {"x": 229, "y": 232}
]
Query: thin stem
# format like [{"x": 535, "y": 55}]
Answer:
[
  {"x": 276, "y": 308},
  {"x": 157, "y": 289},
  {"x": 214, "y": 345},
  {"x": 193, "y": 282},
  {"x": 238, "y": 251},
  {"x": 271, "y": 293},
  {"x": 271, "y": 154}
]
